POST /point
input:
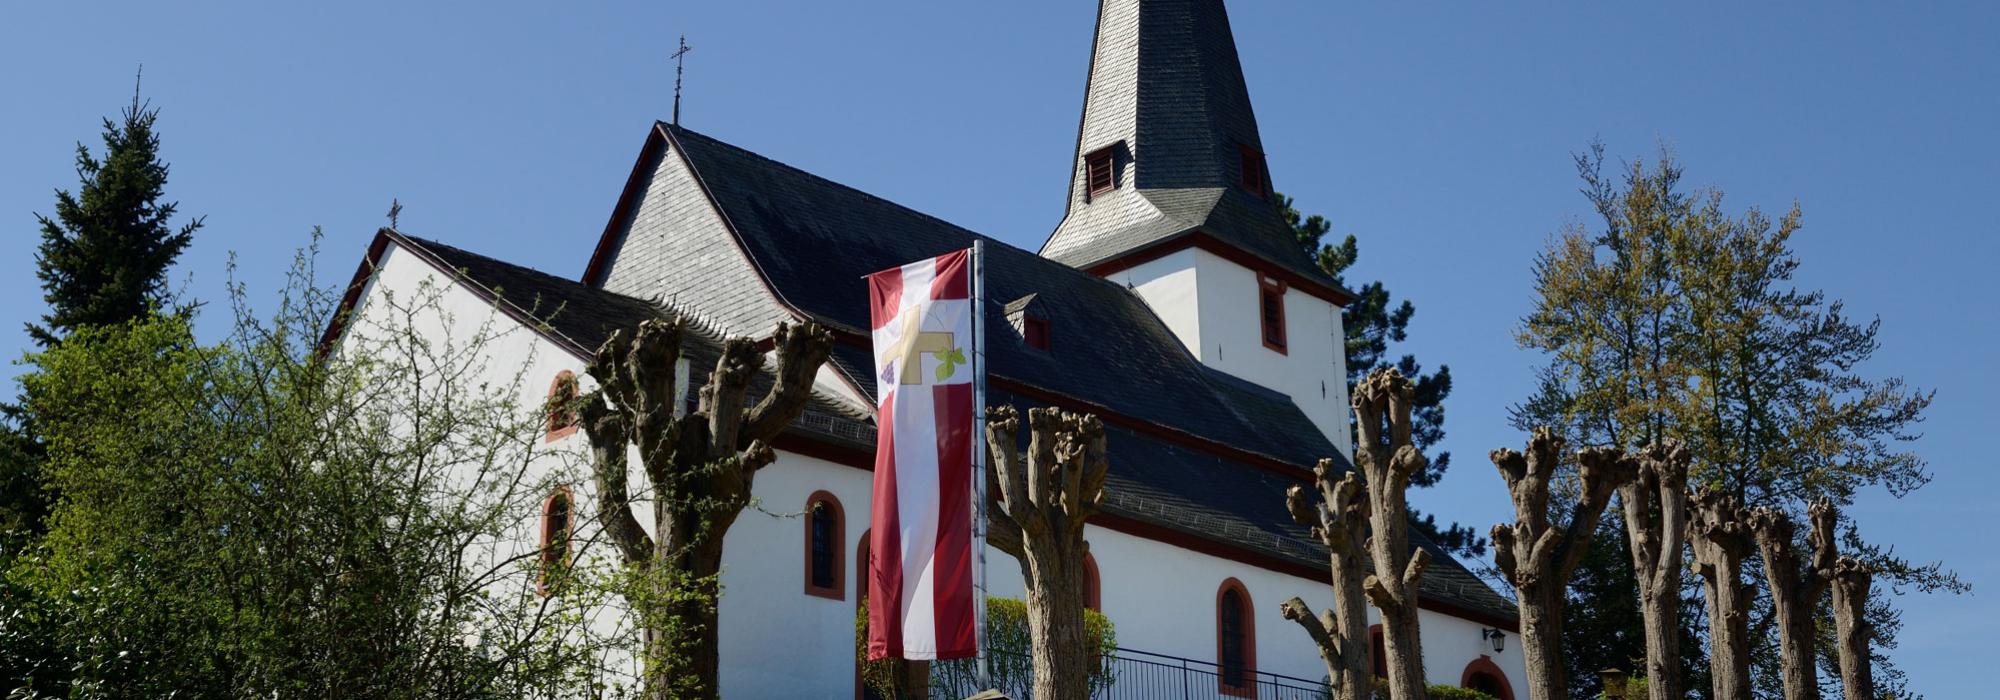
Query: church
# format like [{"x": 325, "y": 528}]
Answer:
[{"x": 1171, "y": 300}]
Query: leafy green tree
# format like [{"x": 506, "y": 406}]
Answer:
[
  {"x": 1673, "y": 318},
  {"x": 265, "y": 517},
  {"x": 1372, "y": 322},
  {"x": 103, "y": 260}
]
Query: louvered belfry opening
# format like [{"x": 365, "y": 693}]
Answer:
[{"x": 1101, "y": 171}]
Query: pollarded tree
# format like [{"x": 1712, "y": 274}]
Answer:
[
  {"x": 1852, "y": 631},
  {"x": 1340, "y": 521},
  {"x": 1387, "y": 460},
  {"x": 1720, "y": 535},
  {"x": 1036, "y": 508},
  {"x": 1537, "y": 556},
  {"x": 700, "y": 466},
  {"x": 1796, "y": 585},
  {"x": 1655, "y": 506}
]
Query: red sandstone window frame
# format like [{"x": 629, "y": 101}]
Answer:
[
  {"x": 562, "y": 410},
  {"x": 1248, "y": 640},
  {"x": 1100, "y": 171},
  {"x": 1271, "y": 312},
  {"x": 1036, "y": 332},
  {"x": 548, "y": 537},
  {"x": 836, "y": 546},
  {"x": 1252, "y": 167},
  {"x": 1093, "y": 586},
  {"x": 1484, "y": 666},
  {"x": 1378, "y": 652}
]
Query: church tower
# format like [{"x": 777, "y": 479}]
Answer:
[{"x": 1171, "y": 196}]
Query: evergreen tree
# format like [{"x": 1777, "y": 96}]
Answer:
[
  {"x": 104, "y": 257},
  {"x": 103, "y": 261},
  {"x": 1372, "y": 322}
]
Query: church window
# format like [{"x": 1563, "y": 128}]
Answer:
[
  {"x": 557, "y": 526},
  {"x": 1271, "y": 311},
  {"x": 1253, "y": 170},
  {"x": 1035, "y": 331},
  {"x": 1100, "y": 172},
  {"x": 1235, "y": 643},
  {"x": 826, "y": 534},
  {"x": 1093, "y": 587},
  {"x": 562, "y": 408},
  {"x": 1378, "y": 653}
]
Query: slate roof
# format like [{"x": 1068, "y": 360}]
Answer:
[
  {"x": 583, "y": 317},
  {"x": 813, "y": 239},
  {"x": 1166, "y": 85}
]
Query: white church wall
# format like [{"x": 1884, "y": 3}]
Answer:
[
  {"x": 778, "y": 641},
  {"x": 523, "y": 362},
  {"x": 1312, "y": 368},
  {"x": 1210, "y": 303},
  {"x": 1169, "y": 286}
]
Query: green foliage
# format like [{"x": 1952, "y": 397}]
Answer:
[
  {"x": 103, "y": 258},
  {"x": 1371, "y": 323},
  {"x": 256, "y": 518},
  {"x": 1452, "y": 692},
  {"x": 1673, "y": 318},
  {"x": 1379, "y": 690},
  {"x": 1009, "y": 650}
]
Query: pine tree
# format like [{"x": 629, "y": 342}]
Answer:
[
  {"x": 104, "y": 257},
  {"x": 1372, "y": 322}
]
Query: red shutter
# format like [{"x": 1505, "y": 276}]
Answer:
[{"x": 1098, "y": 171}]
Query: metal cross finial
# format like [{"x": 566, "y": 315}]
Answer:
[{"x": 680, "y": 59}]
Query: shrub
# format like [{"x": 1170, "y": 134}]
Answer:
[{"x": 1008, "y": 652}]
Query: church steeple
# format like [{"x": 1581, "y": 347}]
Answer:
[{"x": 1168, "y": 145}]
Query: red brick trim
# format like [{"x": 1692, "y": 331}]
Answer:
[
  {"x": 1484, "y": 665},
  {"x": 837, "y": 540},
  {"x": 562, "y": 419},
  {"x": 1093, "y": 585},
  {"x": 549, "y": 536},
  {"x": 1202, "y": 240},
  {"x": 1271, "y": 291},
  {"x": 1249, "y": 617},
  {"x": 1378, "y": 657}
]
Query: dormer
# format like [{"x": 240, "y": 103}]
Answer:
[{"x": 1031, "y": 325}]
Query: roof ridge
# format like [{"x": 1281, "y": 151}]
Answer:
[{"x": 802, "y": 171}]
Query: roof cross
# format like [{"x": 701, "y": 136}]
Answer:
[{"x": 680, "y": 58}]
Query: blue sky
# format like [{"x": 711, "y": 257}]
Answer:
[{"x": 1440, "y": 133}]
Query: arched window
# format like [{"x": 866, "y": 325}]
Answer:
[
  {"x": 558, "y": 524},
  {"x": 1235, "y": 640},
  {"x": 826, "y": 536},
  {"x": 562, "y": 409},
  {"x": 1093, "y": 587},
  {"x": 1485, "y": 676},
  {"x": 1378, "y": 653}
]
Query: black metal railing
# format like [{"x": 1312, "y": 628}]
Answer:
[{"x": 1130, "y": 674}]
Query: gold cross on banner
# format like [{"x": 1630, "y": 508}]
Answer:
[{"x": 912, "y": 344}]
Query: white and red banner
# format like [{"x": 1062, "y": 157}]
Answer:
[{"x": 920, "y": 592}]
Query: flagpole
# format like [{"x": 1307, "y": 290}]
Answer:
[{"x": 979, "y": 455}]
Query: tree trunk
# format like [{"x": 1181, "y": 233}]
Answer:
[
  {"x": 1721, "y": 540},
  {"x": 1055, "y": 613},
  {"x": 1036, "y": 509},
  {"x": 1852, "y": 632},
  {"x": 1795, "y": 590},
  {"x": 701, "y": 466},
  {"x": 1387, "y": 459},
  {"x": 1655, "y": 507},
  {"x": 1340, "y": 521},
  {"x": 1537, "y": 558}
]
